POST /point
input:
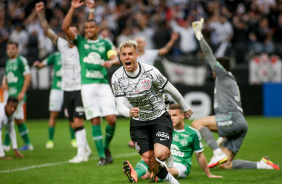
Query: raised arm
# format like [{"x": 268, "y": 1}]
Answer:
[
  {"x": 167, "y": 47},
  {"x": 68, "y": 19},
  {"x": 197, "y": 26},
  {"x": 90, "y": 4},
  {"x": 39, "y": 7},
  {"x": 204, "y": 165},
  {"x": 179, "y": 99}
]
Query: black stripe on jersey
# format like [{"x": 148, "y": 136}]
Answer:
[
  {"x": 165, "y": 84},
  {"x": 119, "y": 95},
  {"x": 136, "y": 75}
]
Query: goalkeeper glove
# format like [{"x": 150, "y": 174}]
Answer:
[{"x": 197, "y": 26}]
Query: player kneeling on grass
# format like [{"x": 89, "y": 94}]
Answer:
[
  {"x": 185, "y": 140},
  {"x": 228, "y": 121},
  {"x": 6, "y": 118}
]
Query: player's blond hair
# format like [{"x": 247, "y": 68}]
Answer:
[{"x": 129, "y": 43}]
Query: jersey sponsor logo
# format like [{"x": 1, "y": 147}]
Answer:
[
  {"x": 93, "y": 47},
  {"x": 141, "y": 102},
  {"x": 93, "y": 58},
  {"x": 79, "y": 109},
  {"x": 11, "y": 78},
  {"x": 225, "y": 123},
  {"x": 13, "y": 91},
  {"x": 162, "y": 135},
  {"x": 176, "y": 138},
  {"x": 146, "y": 84},
  {"x": 175, "y": 151},
  {"x": 94, "y": 74}
]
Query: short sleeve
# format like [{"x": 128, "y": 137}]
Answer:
[
  {"x": 116, "y": 87},
  {"x": 25, "y": 66},
  {"x": 61, "y": 44},
  {"x": 197, "y": 142},
  {"x": 158, "y": 79},
  {"x": 50, "y": 60},
  {"x": 77, "y": 39}
]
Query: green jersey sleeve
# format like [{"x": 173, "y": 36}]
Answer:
[
  {"x": 197, "y": 142},
  {"x": 24, "y": 66}
]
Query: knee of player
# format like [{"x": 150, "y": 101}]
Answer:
[
  {"x": 162, "y": 156},
  {"x": 196, "y": 124},
  {"x": 111, "y": 120}
]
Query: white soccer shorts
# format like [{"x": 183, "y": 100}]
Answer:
[
  {"x": 19, "y": 113},
  {"x": 98, "y": 100},
  {"x": 56, "y": 100}
]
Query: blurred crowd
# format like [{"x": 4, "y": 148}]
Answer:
[{"x": 235, "y": 28}]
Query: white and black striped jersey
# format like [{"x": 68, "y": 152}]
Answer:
[
  {"x": 143, "y": 90},
  {"x": 71, "y": 70}
]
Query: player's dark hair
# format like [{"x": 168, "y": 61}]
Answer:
[
  {"x": 225, "y": 62},
  {"x": 12, "y": 99},
  {"x": 92, "y": 20},
  {"x": 13, "y": 43},
  {"x": 176, "y": 107}
]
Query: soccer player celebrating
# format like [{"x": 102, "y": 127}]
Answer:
[
  {"x": 185, "y": 140},
  {"x": 150, "y": 127},
  {"x": 96, "y": 55},
  {"x": 6, "y": 119},
  {"x": 56, "y": 96},
  {"x": 71, "y": 84},
  {"x": 228, "y": 121},
  {"x": 16, "y": 81}
]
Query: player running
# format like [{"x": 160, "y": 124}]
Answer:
[
  {"x": 56, "y": 97},
  {"x": 150, "y": 127},
  {"x": 228, "y": 121},
  {"x": 96, "y": 55},
  {"x": 186, "y": 140}
]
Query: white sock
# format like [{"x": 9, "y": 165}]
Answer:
[
  {"x": 170, "y": 179},
  {"x": 217, "y": 151},
  {"x": 80, "y": 139}
]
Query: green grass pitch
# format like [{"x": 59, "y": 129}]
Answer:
[{"x": 264, "y": 138}]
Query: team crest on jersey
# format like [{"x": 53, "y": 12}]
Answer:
[
  {"x": 101, "y": 49},
  {"x": 184, "y": 142},
  {"x": 86, "y": 46},
  {"x": 146, "y": 84}
]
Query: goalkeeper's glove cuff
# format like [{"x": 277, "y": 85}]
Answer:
[{"x": 199, "y": 35}]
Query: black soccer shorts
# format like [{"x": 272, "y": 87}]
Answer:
[
  {"x": 145, "y": 134},
  {"x": 73, "y": 105}
]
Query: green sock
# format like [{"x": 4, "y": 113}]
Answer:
[
  {"x": 98, "y": 139},
  {"x": 72, "y": 133},
  {"x": 51, "y": 131},
  {"x": 7, "y": 138},
  {"x": 24, "y": 133},
  {"x": 141, "y": 168},
  {"x": 109, "y": 135}
]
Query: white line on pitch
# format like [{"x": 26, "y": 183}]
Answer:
[{"x": 58, "y": 163}]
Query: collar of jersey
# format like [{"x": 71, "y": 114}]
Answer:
[
  {"x": 93, "y": 41},
  {"x": 182, "y": 130},
  {"x": 13, "y": 60},
  {"x": 133, "y": 77}
]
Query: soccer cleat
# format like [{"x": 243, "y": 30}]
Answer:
[
  {"x": 109, "y": 157},
  {"x": 26, "y": 148},
  {"x": 73, "y": 143},
  {"x": 269, "y": 163},
  {"x": 219, "y": 141},
  {"x": 49, "y": 144},
  {"x": 131, "y": 144},
  {"x": 78, "y": 159},
  {"x": 129, "y": 172},
  {"x": 153, "y": 178},
  {"x": 169, "y": 161},
  {"x": 219, "y": 159},
  {"x": 102, "y": 162},
  {"x": 6, "y": 148}
]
